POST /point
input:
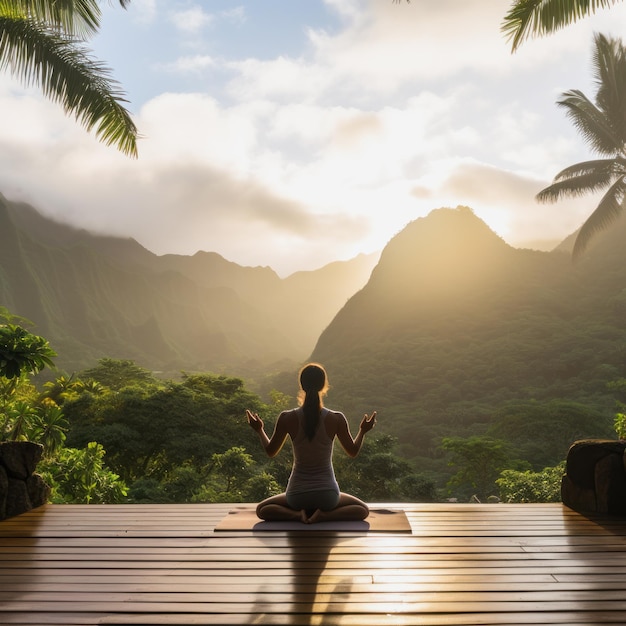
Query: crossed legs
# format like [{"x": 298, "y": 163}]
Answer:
[{"x": 349, "y": 508}]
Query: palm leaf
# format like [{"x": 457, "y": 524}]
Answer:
[
  {"x": 609, "y": 60},
  {"x": 579, "y": 179},
  {"x": 606, "y": 213},
  {"x": 532, "y": 18},
  {"x": 77, "y": 18},
  {"x": 611, "y": 168},
  {"x": 67, "y": 74},
  {"x": 592, "y": 123}
]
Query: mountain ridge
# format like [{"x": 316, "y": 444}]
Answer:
[
  {"x": 507, "y": 325},
  {"x": 96, "y": 296}
]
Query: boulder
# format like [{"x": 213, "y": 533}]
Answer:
[
  {"x": 38, "y": 490},
  {"x": 20, "y": 458},
  {"x": 21, "y": 489},
  {"x": 595, "y": 477}
]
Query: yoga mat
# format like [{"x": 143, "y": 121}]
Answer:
[{"x": 379, "y": 521}]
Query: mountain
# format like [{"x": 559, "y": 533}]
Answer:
[
  {"x": 96, "y": 296},
  {"x": 454, "y": 323}
]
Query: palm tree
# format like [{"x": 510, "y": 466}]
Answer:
[
  {"x": 18, "y": 417},
  {"x": 42, "y": 43},
  {"x": 60, "y": 389},
  {"x": 531, "y": 18},
  {"x": 603, "y": 126},
  {"x": 48, "y": 427},
  {"x": 90, "y": 386}
]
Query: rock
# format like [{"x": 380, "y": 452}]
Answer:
[
  {"x": 38, "y": 490},
  {"x": 577, "y": 497},
  {"x": 17, "y": 498},
  {"x": 595, "y": 479},
  {"x": 20, "y": 458},
  {"x": 610, "y": 485},
  {"x": 20, "y": 488},
  {"x": 4, "y": 491}
]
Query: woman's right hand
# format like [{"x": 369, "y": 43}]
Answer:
[{"x": 256, "y": 423}]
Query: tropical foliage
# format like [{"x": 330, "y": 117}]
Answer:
[
  {"x": 43, "y": 43},
  {"x": 602, "y": 125},
  {"x": 529, "y": 486},
  {"x": 80, "y": 476},
  {"x": 75, "y": 475},
  {"x": 187, "y": 441},
  {"x": 478, "y": 462},
  {"x": 21, "y": 352},
  {"x": 530, "y": 18},
  {"x": 116, "y": 433}
]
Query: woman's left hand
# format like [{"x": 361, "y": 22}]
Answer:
[
  {"x": 368, "y": 422},
  {"x": 256, "y": 423}
]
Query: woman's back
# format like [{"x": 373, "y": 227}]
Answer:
[{"x": 312, "y": 463}]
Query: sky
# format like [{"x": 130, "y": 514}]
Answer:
[{"x": 293, "y": 134}]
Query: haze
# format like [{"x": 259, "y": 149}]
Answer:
[{"x": 294, "y": 134}]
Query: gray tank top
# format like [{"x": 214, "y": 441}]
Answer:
[{"x": 312, "y": 460}]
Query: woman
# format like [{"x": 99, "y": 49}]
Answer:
[{"x": 312, "y": 491}]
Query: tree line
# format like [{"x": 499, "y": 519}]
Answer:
[{"x": 117, "y": 433}]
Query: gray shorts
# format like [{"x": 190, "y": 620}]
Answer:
[{"x": 324, "y": 499}]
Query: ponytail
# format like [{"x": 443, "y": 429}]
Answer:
[
  {"x": 314, "y": 384},
  {"x": 311, "y": 408}
]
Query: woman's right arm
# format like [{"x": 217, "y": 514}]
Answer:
[
  {"x": 350, "y": 445},
  {"x": 271, "y": 445}
]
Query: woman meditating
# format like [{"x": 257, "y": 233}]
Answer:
[{"x": 312, "y": 491}]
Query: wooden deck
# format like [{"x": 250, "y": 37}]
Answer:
[{"x": 163, "y": 564}]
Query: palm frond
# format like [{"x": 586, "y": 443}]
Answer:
[
  {"x": 611, "y": 168},
  {"x": 67, "y": 74},
  {"x": 606, "y": 213},
  {"x": 579, "y": 179},
  {"x": 535, "y": 18},
  {"x": 75, "y": 18},
  {"x": 609, "y": 61},
  {"x": 595, "y": 126}
]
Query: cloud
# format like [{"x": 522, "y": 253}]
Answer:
[
  {"x": 196, "y": 64},
  {"x": 506, "y": 201},
  {"x": 391, "y": 111},
  {"x": 192, "y": 20},
  {"x": 143, "y": 11},
  {"x": 383, "y": 48},
  {"x": 236, "y": 15},
  {"x": 387, "y": 49},
  {"x": 195, "y": 186}
]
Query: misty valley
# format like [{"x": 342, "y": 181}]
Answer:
[{"x": 484, "y": 362}]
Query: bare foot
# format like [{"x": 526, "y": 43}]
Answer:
[
  {"x": 315, "y": 517},
  {"x": 303, "y": 518}
]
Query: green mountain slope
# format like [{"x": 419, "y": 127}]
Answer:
[
  {"x": 454, "y": 324},
  {"x": 97, "y": 296}
]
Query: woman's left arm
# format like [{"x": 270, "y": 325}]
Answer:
[
  {"x": 350, "y": 445},
  {"x": 271, "y": 446}
]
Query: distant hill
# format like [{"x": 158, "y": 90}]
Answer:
[
  {"x": 454, "y": 323},
  {"x": 95, "y": 296}
]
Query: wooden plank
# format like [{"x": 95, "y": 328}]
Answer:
[
  {"x": 412, "y": 560},
  {"x": 438, "y": 544},
  {"x": 312, "y": 584},
  {"x": 337, "y": 594},
  {"x": 402, "y": 607},
  {"x": 275, "y": 552},
  {"x": 509, "y": 619}
]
